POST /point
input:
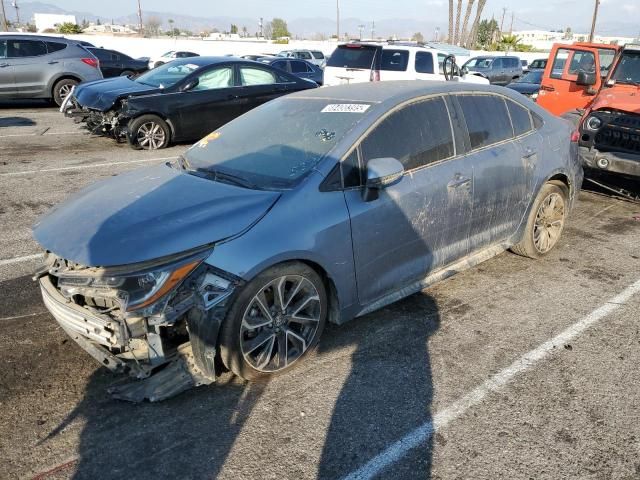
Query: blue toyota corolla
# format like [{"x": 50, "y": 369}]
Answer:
[{"x": 319, "y": 206}]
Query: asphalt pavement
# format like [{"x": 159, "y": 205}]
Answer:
[{"x": 514, "y": 369}]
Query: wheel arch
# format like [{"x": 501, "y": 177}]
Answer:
[{"x": 65, "y": 76}]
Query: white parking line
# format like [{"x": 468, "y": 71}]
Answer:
[
  {"x": 9, "y": 261},
  {"x": 78, "y": 167},
  {"x": 36, "y": 134},
  {"x": 493, "y": 384}
]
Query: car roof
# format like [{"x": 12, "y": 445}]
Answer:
[
  {"x": 391, "y": 93},
  {"x": 44, "y": 38}
]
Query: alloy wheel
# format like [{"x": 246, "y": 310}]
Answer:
[
  {"x": 549, "y": 223},
  {"x": 150, "y": 136},
  {"x": 280, "y": 323},
  {"x": 64, "y": 90}
]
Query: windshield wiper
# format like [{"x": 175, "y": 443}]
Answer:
[{"x": 218, "y": 176}]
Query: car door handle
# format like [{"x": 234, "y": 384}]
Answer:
[
  {"x": 459, "y": 181},
  {"x": 2, "y": 65},
  {"x": 547, "y": 88},
  {"x": 53, "y": 62},
  {"x": 529, "y": 153}
]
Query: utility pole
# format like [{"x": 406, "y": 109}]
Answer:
[
  {"x": 140, "y": 17},
  {"x": 4, "y": 17},
  {"x": 511, "y": 27},
  {"x": 338, "y": 20},
  {"x": 15, "y": 5},
  {"x": 373, "y": 30},
  {"x": 593, "y": 23},
  {"x": 360, "y": 29},
  {"x": 504, "y": 11}
]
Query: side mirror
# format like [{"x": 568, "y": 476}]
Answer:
[
  {"x": 191, "y": 85},
  {"x": 464, "y": 71},
  {"x": 381, "y": 173},
  {"x": 586, "y": 79}
]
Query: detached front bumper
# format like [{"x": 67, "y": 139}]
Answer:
[{"x": 626, "y": 164}]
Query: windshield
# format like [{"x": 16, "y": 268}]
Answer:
[
  {"x": 628, "y": 68},
  {"x": 169, "y": 53},
  {"x": 289, "y": 136},
  {"x": 538, "y": 64},
  {"x": 167, "y": 75},
  {"x": 606, "y": 56},
  {"x": 531, "y": 77},
  {"x": 479, "y": 63}
]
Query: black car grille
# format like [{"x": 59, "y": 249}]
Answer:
[{"x": 621, "y": 133}]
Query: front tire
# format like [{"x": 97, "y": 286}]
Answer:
[
  {"x": 148, "y": 132},
  {"x": 276, "y": 320},
  {"x": 545, "y": 222},
  {"x": 62, "y": 88}
]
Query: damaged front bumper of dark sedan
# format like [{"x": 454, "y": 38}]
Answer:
[
  {"x": 144, "y": 320},
  {"x": 111, "y": 123}
]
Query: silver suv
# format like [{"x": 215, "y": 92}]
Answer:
[
  {"x": 498, "y": 70},
  {"x": 37, "y": 66}
]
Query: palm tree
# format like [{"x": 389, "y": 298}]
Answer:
[
  {"x": 465, "y": 24},
  {"x": 509, "y": 42},
  {"x": 471, "y": 40},
  {"x": 450, "y": 39},
  {"x": 456, "y": 37}
]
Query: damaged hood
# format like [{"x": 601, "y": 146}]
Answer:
[
  {"x": 621, "y": 97},
  {"x": 148, "y": 214},
  {"x": 103, "y": 94}
]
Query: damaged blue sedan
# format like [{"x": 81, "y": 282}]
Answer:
[{"x": 320, "y": 206}]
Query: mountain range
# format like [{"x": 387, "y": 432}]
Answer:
[{"x": 299, "y": 27}]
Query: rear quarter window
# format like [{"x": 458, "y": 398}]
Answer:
[
  {"x": 55, "y": 46},
  {"x": 394, "y": 60},
  {"x": 353, "y": 57},
  {"x": 487, "y": 119},
  {"x": 317, "y": 54},
  {"x": 520, "y": 118}
]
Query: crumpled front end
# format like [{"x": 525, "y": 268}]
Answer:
[
  {"x": 156, "y": 322},
  {"x": 112, "y": 123}
]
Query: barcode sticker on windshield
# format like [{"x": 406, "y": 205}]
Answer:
[{"x": 345, "y": 108}]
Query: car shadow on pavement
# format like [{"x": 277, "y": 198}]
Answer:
[
  {"x": 386, "y": 395},
  {"x": 16, "y": 122}
]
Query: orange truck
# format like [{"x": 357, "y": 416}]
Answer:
[{"x": 597, "y": 87}]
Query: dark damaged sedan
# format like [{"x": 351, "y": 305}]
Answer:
[
  {"x": 182, "y": 100},
  {"x": 318, "y": 206}
]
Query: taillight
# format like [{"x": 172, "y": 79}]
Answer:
[
  {"x": 575, "y": 136},
  {"x": 92, "y": 62},
  {"x": 375, "y": 76}
]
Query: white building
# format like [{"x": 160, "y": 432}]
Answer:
[
  {"x": 44, "y": 21},
  {"x": 543, "y": 39},
  {"x": 108, "y": 28}
]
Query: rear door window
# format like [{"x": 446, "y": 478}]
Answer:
[
  {"x": 358, "y": 56},
  {"x": 55, "y": 46},
  {"x": 417, "y": 135},
  {"x": 487, "y": 119},
  {"x": 281, "y": 64},
  {"x": 26, "y": 48},
  {"x": 394, "y": 60},
  {"x": 520, "y": 118},
  {"x": 424, "y": 62},
  {"x": 304, "y": 55},
  {"x": 256, "y": 76},
  {"x": 298, "y": 67}
]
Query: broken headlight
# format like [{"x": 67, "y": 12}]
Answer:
[{"x": 132, "y": 291}]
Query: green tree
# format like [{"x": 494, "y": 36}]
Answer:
[
  {"x": 508, "y": 43},
  {"x": 279, "y": 28},
  {"x": 485, "y": 32},
  {"x": 417, "y": 37},
  {"x": 234, "y": 29},
  {"x": 69, "y": 28},
  {"x": 244, "y": 31}
]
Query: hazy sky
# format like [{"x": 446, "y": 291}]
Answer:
[{"x": 529, "y": 14}]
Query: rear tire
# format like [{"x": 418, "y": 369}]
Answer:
[
  {"x": 545, "y": 222},
  {"x": 148, "y": 132},
  {"x": 127, "y": 73},
  {"x": 62, "y": 88},
  {"x": 275, "y": 321}
]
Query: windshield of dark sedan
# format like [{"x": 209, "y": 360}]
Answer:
[
  {"x": 277, "y": 144},
  {"x": 167, "y": 75},
  {"x": 531, "y": 77},
  {"x": 628, "y": 68}
]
